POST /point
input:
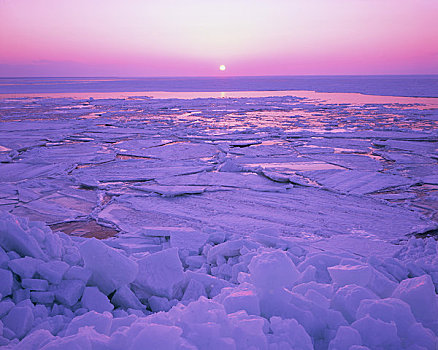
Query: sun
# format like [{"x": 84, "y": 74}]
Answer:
[{"x": 222, "y": 67}]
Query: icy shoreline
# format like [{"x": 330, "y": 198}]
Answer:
[
  {"x": 261, "y": 292},
  {"x": 265, "y": 223}
]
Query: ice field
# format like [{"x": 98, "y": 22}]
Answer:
[{"x": 279, "y": 222}]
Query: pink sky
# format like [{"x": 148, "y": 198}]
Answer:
[{"x": 194, "y": 37}]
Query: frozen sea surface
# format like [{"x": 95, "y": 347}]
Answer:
[{"x": 282, "y": 222}]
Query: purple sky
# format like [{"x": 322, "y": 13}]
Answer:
[{"x": 194, "y": 37}]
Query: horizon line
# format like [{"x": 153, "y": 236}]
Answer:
[{"x": 216, "y": 76}]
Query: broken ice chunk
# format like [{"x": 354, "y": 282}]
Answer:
[
  {"x": 194, "y": 291},
  {"x": 195, "y": 261},
  {"x": 138, "y": 147},
  {"x": 350, "y": 274},
  {"x": 362, "y": 275},
  {"x": 14, "y": 172},
  {"x": 94, "y": 299},
  {"x": 110, "y": 268},
  {"x": 347, "y": 300},
  {"x": 226, "y": 249},
  {"x": 377, "y": 334},
  {"x": 14, "y": 236},
  {"x": 419, "y": 293},
  {"x": 56, "y": 207},
  {"x": 69, "y": 291},
  {"x": 101, "y": 322},
  {"x": 358, "y": 181},
  {"x": 4, "y": 258},
  {"x": 5, "y": 306},
  {"x": 124, "y": 297},
  {"x": 290, "y": 334},
  {"x": 160, "y": 303},
  {"x": 158, "y": 336},
  {"x": 229, "y": 165},
  {"x": 181, "y": 150},
  {"x": 42, "y": 297},
  {"x": 211, "y": 284},
  {"x": 19, "y": 320},
  {"x": 349, "y": 161},
  {"x": 188, "y": 239},
  {"x": 170, "y": 191},
  {"x": 242, "y": 298},
  {"x": 35, "y": 284},
  {"x": 35, "y": 340},
  {"x": 6, "y": 283},
  {"x": 53, "y": 271},
  {"x": 136, "y": 170},
  {"x": 78, "y": 273},
  {"x": 69, "y": 153},
  {"x": 160, "y": 273},
  {"x": 389, "y": 310},
  {"x": 24, "y": 267},
  {"x": 345, "y": 338},
  {"x": 273, "y": 269}
]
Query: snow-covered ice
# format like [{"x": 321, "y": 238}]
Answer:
[{"x": 237, "y": 223}]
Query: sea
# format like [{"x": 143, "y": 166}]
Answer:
[{"x": 380, "y": 85}]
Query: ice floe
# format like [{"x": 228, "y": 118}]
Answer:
[{"x": 238, "y": 223}]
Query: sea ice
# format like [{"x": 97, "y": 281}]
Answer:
[
  {"x": 272, "y": 270},
  {"x": 289, "y": 334},
  {"x": 419, "y": 293},
  {"x": 350, "y": 274},
  {"x": 358, "y": 182},
  {"x": 160, "y": 273},
  {"x": 181, "y": 150},
  {"x": 35, "y": 284},
  {"x": 110, "y": 268},
  {"x": 40, "y": 297},
  {"x": 377, "y": 334},
  {"x": 159, "y": 337},
  {"x": 189, "y": 240},
  {"x": 254, "y": 223},
  {"x": 101, "y": 322},
  {"x": 212, "y": 285},
  {"x": 396, "y": 311},
  {"x": 56, "y": 207},
  {"x": 69, "y": 292},
  {"x": 242, "y": 299},
  {"x": 6, "y": 284},
  {"x": 36, "y": 340},
  {"x": 24, "y": 267},
  {"x": 18, "y": 237},
  {"x": 78, "y": 273},
  {"x": 193, "y": 291},
  {"x": 75, "y": 153},
  {"x": 94, "y": 299},
  {"x": 53, "y": 271},
  {"x": 124, "y": 297},
  {"x": 348, "y": 298},
  {"x": 345, "y": 338},
  {"x": 19, "y": 320}
]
